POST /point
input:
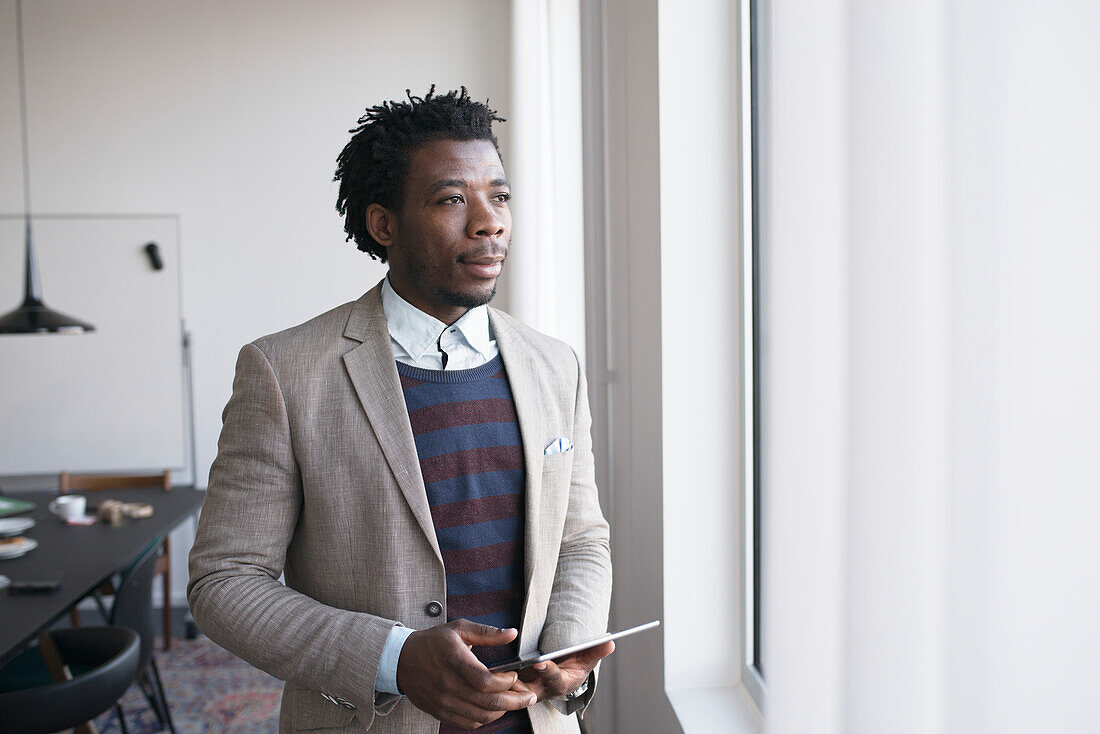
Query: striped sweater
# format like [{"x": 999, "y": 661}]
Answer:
[{"x": 471, "y": 456}]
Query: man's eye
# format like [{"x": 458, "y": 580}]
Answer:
[
  {"x": 456, "y": 199},
  {"x": 503, "y": 196}
]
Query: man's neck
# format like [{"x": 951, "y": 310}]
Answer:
[{"x": 444, "y": 312}]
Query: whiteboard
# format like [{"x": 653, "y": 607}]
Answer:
[{"x": 106, "y": 401}]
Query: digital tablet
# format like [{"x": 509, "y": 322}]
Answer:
[{"x": 519, "y": 663}]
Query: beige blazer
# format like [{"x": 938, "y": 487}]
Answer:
[{"x": 317, "y": 478}]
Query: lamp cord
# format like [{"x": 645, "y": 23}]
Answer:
[{"x": 23, "y": 111}]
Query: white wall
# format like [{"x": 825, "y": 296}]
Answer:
[
  {"x": 1025, "y": 340},
  {"x": 930, "y": 360},
  {"x": 803, "y": 365},
  {"x": 935, "y": 322},
  {"x": 230, "y": 114}
]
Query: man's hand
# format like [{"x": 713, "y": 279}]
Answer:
[
  {"x": 441, "y": 676},
  {"x": 554, "y": 679}
]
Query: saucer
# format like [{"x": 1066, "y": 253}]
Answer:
[
  {"x": 15, "y": 525},
  {"x": 15, "y": 547}
]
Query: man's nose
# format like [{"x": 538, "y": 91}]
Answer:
[{"x": 486, "y": 220}]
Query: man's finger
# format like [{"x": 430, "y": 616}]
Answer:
[
  {"x": 481, "y": 708},
  {"x": 478, "y": 677},
  {"x": 505, "y": 701},
  {"x": 554, "y": 678},
  {"x": 464, "y": 717},
  {"x": 484, "y": 709},
  {"x": 594, "y": 654},
  {"x": 549, "y": 670},
  {"x": 585, "y": 658},
  {"x": 473, "y": 633}
]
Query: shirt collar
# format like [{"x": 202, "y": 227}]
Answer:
[{"x": 417, "y": 332}]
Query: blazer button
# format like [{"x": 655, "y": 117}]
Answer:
[
  {"x": 343, "y": 702},
  {"x": 433, "y": 609}
]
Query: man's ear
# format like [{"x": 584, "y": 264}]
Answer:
[{"x": 382, "y": 224}]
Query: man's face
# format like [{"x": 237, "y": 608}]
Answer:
[{"x": 448, "y": 241}]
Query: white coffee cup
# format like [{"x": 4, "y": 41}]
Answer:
[{"x": 69, "y": 506}]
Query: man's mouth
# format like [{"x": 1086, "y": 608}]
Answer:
[{"x": 487, "y": 266}]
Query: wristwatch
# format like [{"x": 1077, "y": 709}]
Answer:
[
  {"x": 577, "y": 692},
  {"x": 574, "y": 700}
]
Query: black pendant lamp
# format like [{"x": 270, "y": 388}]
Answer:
[{"x": 33, "y": 317}]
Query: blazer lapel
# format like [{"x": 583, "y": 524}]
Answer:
[
  {"x": 523, "y": 381},
  {"x": 373, "y": 373}
]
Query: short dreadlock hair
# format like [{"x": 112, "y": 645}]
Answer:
[{"x": 373, "y": 166}]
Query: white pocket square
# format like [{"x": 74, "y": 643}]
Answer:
[{"x": 558, "y": 446}]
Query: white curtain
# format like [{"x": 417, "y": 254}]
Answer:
[{"x": 545, "y": 274}]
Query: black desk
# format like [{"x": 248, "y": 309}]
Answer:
[{"x": 81, "y": 558}]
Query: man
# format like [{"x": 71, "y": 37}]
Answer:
[{"x": 418, "y": 465}]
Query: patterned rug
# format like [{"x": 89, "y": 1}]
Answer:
[{"x": 209, "y": 691}]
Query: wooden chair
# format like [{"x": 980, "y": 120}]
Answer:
[{"x": 97, "y": 482}]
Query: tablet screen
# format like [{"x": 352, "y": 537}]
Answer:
[{"x": 519, "y": 663}]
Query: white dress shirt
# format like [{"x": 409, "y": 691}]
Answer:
[{"x": 416, "y": 339}]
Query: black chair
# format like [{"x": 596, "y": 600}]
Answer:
[
  {"x": 133, "y": 608},
  {"x": 103, "y": 662}
]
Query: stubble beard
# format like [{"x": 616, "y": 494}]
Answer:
[
  {"x": 467, "y": 300},
  {"x": 419, "y": 273}
]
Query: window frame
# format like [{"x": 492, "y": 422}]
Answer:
[{"x": 751, "y": 22}]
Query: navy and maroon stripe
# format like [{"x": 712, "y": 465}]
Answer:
[
  {"x": 465, "y": 412},
  {"x": 471, "y": 457},
  {"x": 473, "y": 559},
  {"x": 470, "y": 461}
]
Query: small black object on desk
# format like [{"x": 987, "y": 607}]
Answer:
[{"x": 34, "y": 587}]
